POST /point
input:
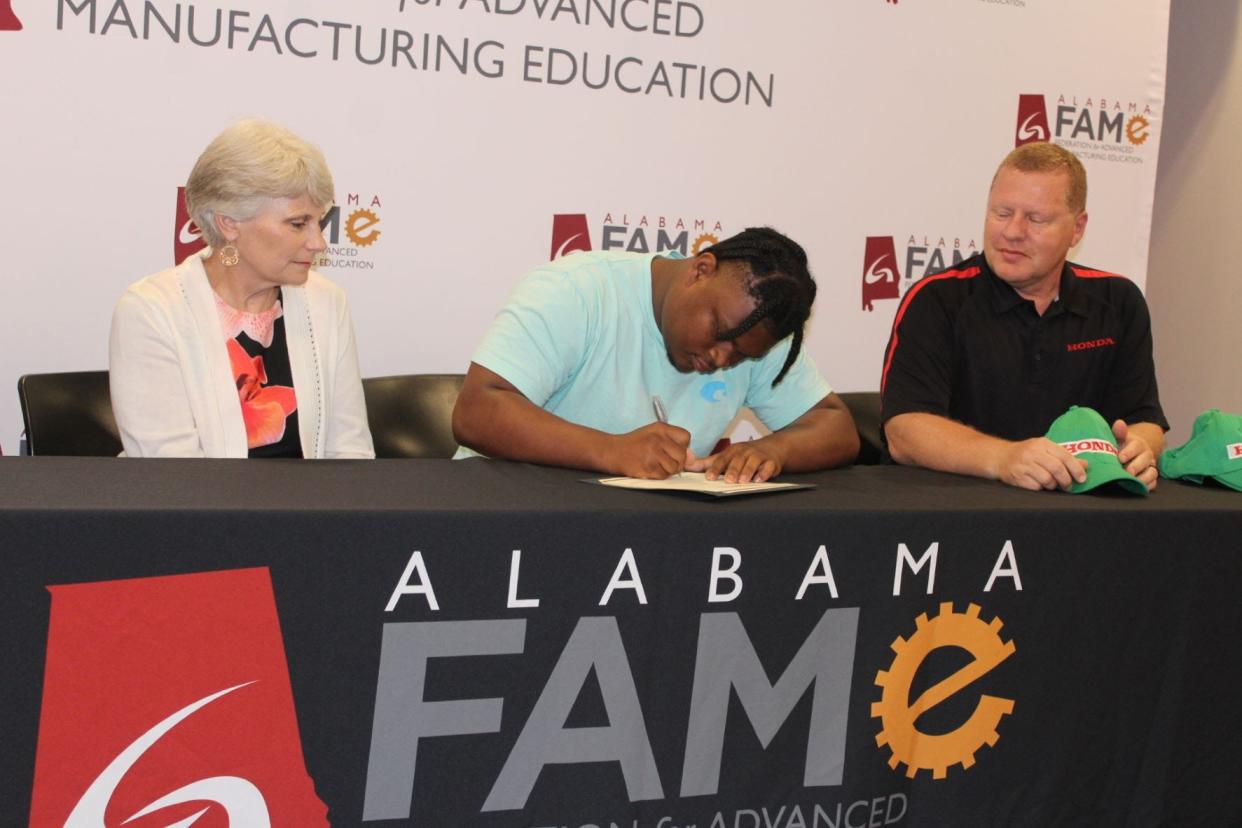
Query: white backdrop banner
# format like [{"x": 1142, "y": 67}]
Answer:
[{"x": 472, "y": 139}]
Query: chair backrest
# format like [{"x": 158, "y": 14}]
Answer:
[
  {"x": 865, "y": 406},
  {"x": 412, "y": 415},
  {"x": 69, "y": 414}
]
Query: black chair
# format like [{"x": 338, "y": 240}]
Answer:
[
  {"x": 865, "y": 406},
  {"x": 69, "y": 414},
  {"x": 412, "y": 415}
]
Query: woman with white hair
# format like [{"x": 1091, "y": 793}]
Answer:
[{"x": 242, "y": 350}]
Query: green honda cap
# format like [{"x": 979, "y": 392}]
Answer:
[
  {"x": 1083, "y": 433},
  {"x": 1214, "y": 450}
]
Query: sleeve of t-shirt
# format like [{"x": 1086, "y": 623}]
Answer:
[
  {"x": 538, "y": 340},
  {"x": 1132, "y": 388},
  {"x": 918, "y": 362},
  {"x": 800, "y": 389}
]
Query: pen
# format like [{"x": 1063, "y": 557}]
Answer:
[
  {"x": 661, "y": 414},
  {"x": 658, "y": 404}
]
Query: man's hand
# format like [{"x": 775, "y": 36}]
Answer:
[
  {"x": 935, "y": 442},
  {"x": 752, "y": 461},
  {"x": 1136, "y": 455},
  {"x": 652, "y": 452},
  {"x": 1039, "y": 463}
]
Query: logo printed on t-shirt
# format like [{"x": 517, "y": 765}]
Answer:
[
  {"x": 714, "y": 391},
  {"x": 1088, "y": 344}
]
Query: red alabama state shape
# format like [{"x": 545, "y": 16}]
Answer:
[
  {"x": 1032, "y": 121},
  {"x": 187, "y": 238},
  {"x": 168, "y": 699},
  {"x": 569, "y": 233},
  {"x": 8, "y": 19},
  {"x": 881, "y": 278}
]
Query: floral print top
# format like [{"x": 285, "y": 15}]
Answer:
[{"x": 259, "y": 356}]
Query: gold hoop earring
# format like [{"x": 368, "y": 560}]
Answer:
[{"x": 229, "y": 255}]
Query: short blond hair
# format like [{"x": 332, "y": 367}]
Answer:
[
  {"x": 247, "y": 165},
  {"x": 1041, "y": 156}
]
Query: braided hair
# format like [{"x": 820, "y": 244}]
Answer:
[{"x": 778, "y": 280}]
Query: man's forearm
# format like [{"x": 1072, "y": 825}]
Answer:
[
  {"x": 494, "y": 418},
  {"x": 935, "y": 442},
  {"x": 506, "y": 425},
  {"x": 822, "y": 438}
]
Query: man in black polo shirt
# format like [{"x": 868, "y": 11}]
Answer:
[{"x": 983, "y": 357}]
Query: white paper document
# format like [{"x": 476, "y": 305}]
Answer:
[{"x": 696, "y": 482}]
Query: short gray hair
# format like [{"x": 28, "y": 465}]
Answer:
[
  {"x": 1041, "y": 156},
  {"x": 250, "y": 163}
]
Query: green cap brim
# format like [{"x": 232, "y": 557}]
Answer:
[
  {"x": 1101, "y": 471},
  {"x": 1229, "y": 479},
  {"x": 1232, "y": 479}
]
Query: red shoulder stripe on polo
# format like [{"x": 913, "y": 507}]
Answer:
[
  {"x": 964, "y": 273},
  {"x": 1088, "y": 273}
]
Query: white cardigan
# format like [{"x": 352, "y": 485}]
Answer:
[{"x": 173, "y": 391}]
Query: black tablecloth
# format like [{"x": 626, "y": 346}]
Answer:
[{"x": 741, "y": 708}]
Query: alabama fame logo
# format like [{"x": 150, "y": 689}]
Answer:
[
  {"x": 881, "y": 279},
  {"x": 350, "y": 231},
  {"x": 919, "y": 750},
  {"x": 187, "y": 238},
  {"x": 1032, "y": 120},
  {"x": 1107, "y": 129},
  {"x": 169, "y": 697},
  {"x": 635, "y": 233},
  {"x": 358, "y": 220},
  {"x": 241, "y": 801},
  {"x": 888, "y": 275},
  {"x": 8, "y": 19}
]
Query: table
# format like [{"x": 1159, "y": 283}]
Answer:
[{"x": 894, "y": 646}]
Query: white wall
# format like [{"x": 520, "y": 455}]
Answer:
[
  {"x": 1193, "y": 269},
  {"x": 875, "y": 148}
]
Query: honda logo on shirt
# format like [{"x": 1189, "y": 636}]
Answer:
[{"x": 169, "y": 697}]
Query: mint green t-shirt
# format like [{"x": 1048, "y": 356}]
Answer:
[{"x": 578, "y": 337}]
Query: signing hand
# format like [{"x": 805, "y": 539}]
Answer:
[
  {"x": 753, "y": 461},
  {"x": 652, "y": 452}
]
